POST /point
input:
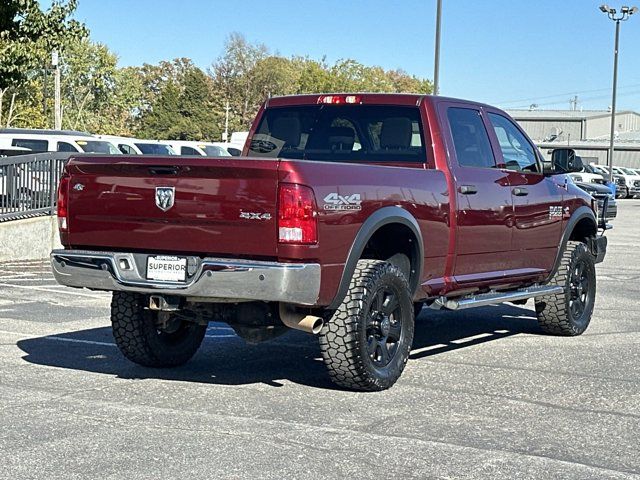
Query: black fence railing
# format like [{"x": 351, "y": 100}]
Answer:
[{"x": 29, "y": 183}]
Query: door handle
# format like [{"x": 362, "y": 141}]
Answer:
[
  {"x": 520, "y": 192},
  {"x": 468, "y": 189}
]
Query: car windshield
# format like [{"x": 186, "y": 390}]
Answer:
[
  {"x": 214, "y": 151},
  {"x": 628, "y": 171},
  {"x": 155, "y": 149},
  {"x": 97, "y": 146},
  {"x": 340, "y": 133}
]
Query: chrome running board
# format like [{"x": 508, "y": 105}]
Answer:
[{"x": 493, "y": 298}]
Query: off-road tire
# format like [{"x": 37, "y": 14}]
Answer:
[
  {"x": 554, "y": 312},
  {"x": 344, "y": 340},
  {"x": 138, "y": 338}
]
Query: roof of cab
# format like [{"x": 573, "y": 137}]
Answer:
[
  {"x": 403, "y": 99},
  {"x": 411, "y": 99}
]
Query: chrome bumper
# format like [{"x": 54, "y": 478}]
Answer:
[{"x": 209, "y": 278}]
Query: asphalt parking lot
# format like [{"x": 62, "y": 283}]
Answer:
[{"x": 486, "y": 395}]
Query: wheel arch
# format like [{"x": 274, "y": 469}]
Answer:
[{"x": 373, "y": 235}]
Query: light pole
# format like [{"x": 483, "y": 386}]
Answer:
[
  {"x": 436, "y": 61},
  {"x": 57, "y": 109},
  {"x": 625, "y": 13}
]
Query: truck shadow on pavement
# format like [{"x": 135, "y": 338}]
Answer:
[{"x": 227, "y": 360}]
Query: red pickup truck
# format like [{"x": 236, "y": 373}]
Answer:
[{"x": 346, "y": 214}]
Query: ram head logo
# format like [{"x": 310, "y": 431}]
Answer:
[{"x": 165, "y": 196}]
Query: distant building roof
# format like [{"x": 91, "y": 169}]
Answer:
[
  {"x": 563, "y": 114},
  {"x": 592, "y": 144},
  {"x": 633, "y": 136}
]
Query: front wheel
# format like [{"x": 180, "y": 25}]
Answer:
[
  {"x": 569, "y": 313},
  {"x": 366, "y": 343},
  {"x": 146, "y": 341}
]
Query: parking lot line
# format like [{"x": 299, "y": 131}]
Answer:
[
  {"x": 25, "y": 336},
  {"x": 51, "y": 290},
  {"x": 76, "y": 340}
]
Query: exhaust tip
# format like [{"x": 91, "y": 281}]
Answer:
[
  {"x": 300, "y": 321},
  {"x": 317, "y": 325}
]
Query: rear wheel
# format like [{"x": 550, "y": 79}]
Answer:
[
  {"x": 569, "y": 312},
  {"x": 143, "y": 339},
  {"x": 366, "y": 343}
]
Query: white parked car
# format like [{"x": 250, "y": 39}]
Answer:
[
  {"x": 628, "y": 182},
  {"x": 138, "y": 146},
  {"x": 588, "y": 175},
  {"x": 205, "y": 149},
  {"x": 632, "y": 178},
  {"x": 39, "y": 141}
]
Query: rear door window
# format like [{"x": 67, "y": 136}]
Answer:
[
  {"x": 470, "y": 138},
  {"x": 66, "y": 147},
  {"x": 97, "y": 146},
  {"x": 155, "y": 149},
  {"x": 188, "y": 151},
  {"x": 215, "y": 151},
  {"x": 341, "y": 133},
  {"x": 126, "y": 149},
  {"x": 34, "y": 145}
]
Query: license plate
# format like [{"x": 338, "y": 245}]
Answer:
[{"x": 167, "y": 269}]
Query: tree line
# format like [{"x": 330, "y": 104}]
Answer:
[{"x": 170, "y": 100}]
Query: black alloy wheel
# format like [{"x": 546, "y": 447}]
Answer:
[{"x": 383, "y": 327}]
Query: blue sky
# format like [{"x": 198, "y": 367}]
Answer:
[{"x": 508, "y": 53}]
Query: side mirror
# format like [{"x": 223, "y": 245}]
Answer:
[{"x": 564, "y": 160}]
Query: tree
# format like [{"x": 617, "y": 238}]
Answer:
[
  {"x": 162, "y": 119},
  {"x": 247, "y": 74},
  {"x": 234, "y": 76},
  {"x": 196, "y": 107},
  {"x": 314, "y": 76},
  {"x": 155, "y": 77},
  {"x": 184, "y": 110},
  {"x": 28, "y": 36},
  {"x": 88, "y": 83}
]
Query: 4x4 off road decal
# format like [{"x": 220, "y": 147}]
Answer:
[{"x": 334, "y": 202}]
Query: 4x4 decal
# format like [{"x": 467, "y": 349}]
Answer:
[{"x": 334, "y": 202}]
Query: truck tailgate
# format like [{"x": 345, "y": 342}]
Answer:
[{"x": 220, "y": 206}]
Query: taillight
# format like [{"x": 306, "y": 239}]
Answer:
[
  {"x": 63, "y": 202},
  {"x": 339, "y": 99},
  {"x": 297, "y": 221}
]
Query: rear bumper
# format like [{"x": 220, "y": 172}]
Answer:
[{"x": 209, "y": 278}]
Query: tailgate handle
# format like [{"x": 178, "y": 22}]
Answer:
[{"x": 163, "y": 170}]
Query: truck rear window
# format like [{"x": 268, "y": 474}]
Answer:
[{"x": 340, "y": 133}]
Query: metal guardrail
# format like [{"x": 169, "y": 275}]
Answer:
[{"x": 29, "y": 184}]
